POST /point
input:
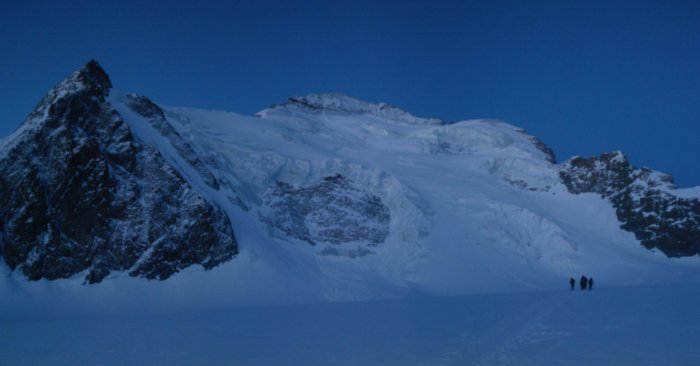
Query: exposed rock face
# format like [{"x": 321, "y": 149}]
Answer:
[
  {"x": 541, "y": 146},
  {"x": 332, "y": 211},
  {"x": 79, "y": 192},
  {"x": 643, "y": 200}
]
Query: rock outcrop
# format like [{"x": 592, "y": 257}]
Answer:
[
  {"x": 333, "y": 211},
  {"x": 643, "y": 200}
]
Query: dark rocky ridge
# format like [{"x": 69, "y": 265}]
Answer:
[
  {"x": 79, "y": 192},
  {"x": 156, "y": 117},
  {"x": 642, "y": 199}
]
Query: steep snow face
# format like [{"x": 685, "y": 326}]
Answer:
[
  {"x": 80, "y": 193},
  {"x": 498, "y": 148}
]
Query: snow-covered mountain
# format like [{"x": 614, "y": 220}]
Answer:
[{"x": 322, "y": 197}]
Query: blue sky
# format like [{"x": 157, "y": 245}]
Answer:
[{"x": 585, "y": 76}]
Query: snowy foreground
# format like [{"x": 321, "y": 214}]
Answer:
[{"x": 651, "y": 325}]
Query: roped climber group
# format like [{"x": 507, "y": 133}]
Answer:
[{"x": 584, "y": 282}]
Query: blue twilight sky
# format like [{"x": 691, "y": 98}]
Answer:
[{"x": 585, "y": 76}]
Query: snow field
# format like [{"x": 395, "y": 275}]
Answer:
[{"x": 648, "y": 325}]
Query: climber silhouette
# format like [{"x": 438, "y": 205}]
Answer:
[
  {"x": 584, "y": 282},
  {"x": 572, "y": 282}
]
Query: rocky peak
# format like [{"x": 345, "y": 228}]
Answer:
[
  {"x": 69, "y": 102},
  {"x": 80, "y": 193},
  {"x": 93, "y": 77},
  {"x": 90, "y": 79}
]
